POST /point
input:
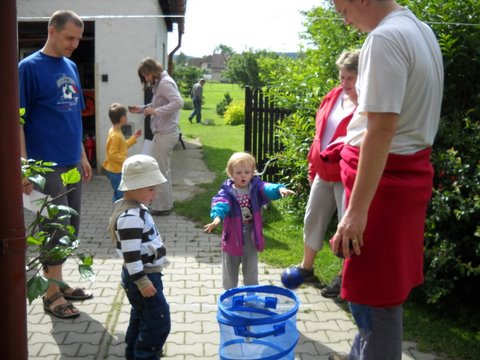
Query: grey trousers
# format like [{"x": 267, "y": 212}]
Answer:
[
  {"x": 249, "y": 261},
  {"x": 380, "y": 332},
  {"x": 325, "y": 198},
  {"x": 162, "y": 149},
  {"x": 54, "y": 187}
]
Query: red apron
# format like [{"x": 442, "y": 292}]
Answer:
[{"x": 391, "y": 262}]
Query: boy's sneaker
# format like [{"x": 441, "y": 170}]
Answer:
[
  {"x": 307, "y": 275},
  {"x": 333, "y": 290}
]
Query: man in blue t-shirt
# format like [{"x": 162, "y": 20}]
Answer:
[{"x": 51, "y": 94}]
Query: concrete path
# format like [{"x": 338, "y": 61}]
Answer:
[{"x": 192, "y": 286}]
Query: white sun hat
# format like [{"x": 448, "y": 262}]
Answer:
[{"x": 140, "y": 171}]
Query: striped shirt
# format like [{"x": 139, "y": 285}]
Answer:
[{"x": 139, "y": 242}]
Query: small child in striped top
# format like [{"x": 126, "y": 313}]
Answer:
[{"x": 138, "y": 241}]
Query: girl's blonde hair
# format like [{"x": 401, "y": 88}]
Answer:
[{"x": 240, "y": 158}]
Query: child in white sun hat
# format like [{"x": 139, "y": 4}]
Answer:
[{"x": 139, "y": 243}]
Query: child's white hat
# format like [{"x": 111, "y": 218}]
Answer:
[{"x": 140, "y": 171}]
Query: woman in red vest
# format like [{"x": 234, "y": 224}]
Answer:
[{"x": 326, "y": 193}]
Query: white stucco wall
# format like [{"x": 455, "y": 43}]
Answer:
[{"x": 120, "y": 44}]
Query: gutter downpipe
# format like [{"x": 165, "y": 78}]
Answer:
[
  {"x": 170, "y": 56},
  {"x": 13, "y": 326}
]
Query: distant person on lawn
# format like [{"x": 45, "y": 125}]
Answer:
[
  {"x": 197, "y": 96},
  {"x": 117, "y": 147}
]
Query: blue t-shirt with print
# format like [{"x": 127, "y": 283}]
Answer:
[{"x": 52, "y": 96}]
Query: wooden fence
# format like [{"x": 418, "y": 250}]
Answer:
[{"x": 261, "y": 119}]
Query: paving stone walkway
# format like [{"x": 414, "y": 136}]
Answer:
[{"x": 192, "y": 286}]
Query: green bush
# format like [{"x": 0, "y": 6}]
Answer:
[
  {"x": 235, "y": 114},
  {"x": 186, "y": 76},
  {"x": 222, "y": 105},
  {"x": 452, "y": 231},
  {"x": 187, "y": 104}
]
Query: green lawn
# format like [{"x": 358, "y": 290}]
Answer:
[{"x": 456, "y": 335}]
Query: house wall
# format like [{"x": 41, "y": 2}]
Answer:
[{"x": 120, "y": 44}]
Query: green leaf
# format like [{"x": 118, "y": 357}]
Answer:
[
  {"x": 34, "y": 241},
  {"x": 38, "y": 180},
  {"x": 86, "y": 259},
  {"x": 65, "y": 240},
  {"x": 70, "y": 229},
  {"x": 52, "y": 210},
  {"x": 67, "y": 209},
  {"x": 71, "y": 177},
  {"x": 36, "y": 286},
  {"x": 21, "y": 112},
  {"x": 86, "y": 272}
]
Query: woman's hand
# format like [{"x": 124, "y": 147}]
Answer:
[
  {"x": 137, "y": 133},
  {"x": 149, "y": 111},
  {"x": 135, "y": 109}
]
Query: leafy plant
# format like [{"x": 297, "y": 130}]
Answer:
[
  {"x": 235, "y": 114},
  {"x": 244, "y": 68},
  {"x": 186, "y": 76},
  {"x": 222, "y": 105},
  {"x": 49, "y": 223}
]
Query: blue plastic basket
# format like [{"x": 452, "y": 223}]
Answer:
[{"x": 258, "y": 323}]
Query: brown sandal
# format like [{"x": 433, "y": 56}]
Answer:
[
  {"x": 75, "y": 294},
  {"x": 60, "y": 310}
]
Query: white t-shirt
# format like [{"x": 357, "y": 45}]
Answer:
[
  {"x": 400, "y": 71},
  {"x": 342, "y": 108}
]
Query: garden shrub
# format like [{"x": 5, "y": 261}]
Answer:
[
  {"x": 222, "y": 105},
  {"x": 187, "y": 104},
  {"x": 185, "y": 76},
  {"x": 452, "y": 230},
  {"x": 235, "y": 114}
]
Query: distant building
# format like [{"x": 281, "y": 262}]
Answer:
[{"x": 213, "y": 65}]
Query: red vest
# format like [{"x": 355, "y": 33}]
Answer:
[{"x": 325, "y": 163}]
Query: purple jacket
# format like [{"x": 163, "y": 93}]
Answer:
[{"x": 226, "y": 206}]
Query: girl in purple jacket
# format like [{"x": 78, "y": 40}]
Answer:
[{"x": 238, "y": 204}]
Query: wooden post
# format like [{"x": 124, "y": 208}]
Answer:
[
  {"x": 248, "y": 119},
  {"x": 13, "y": 326}
]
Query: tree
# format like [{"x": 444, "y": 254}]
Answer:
[
  {"x": 225, "y": 50},
  {"x": 186, "y": 76},
  {"x": 181, "y": 59},
  {"x": 243, "y": 68}
]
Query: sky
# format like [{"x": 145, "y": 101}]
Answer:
[{"x": 242, "y": 24}]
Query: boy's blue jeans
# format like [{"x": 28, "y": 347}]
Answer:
[
  {"x": 115, "y": 181},
  {"x": 149, "y": 324}
]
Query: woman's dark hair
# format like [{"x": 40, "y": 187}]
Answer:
[{"x": 149, "y": 66}]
